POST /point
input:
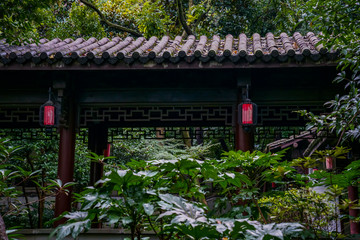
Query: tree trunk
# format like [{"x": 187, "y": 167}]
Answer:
[
  {"x": 39, "y": 192},
  {"x": 27, "y": 205},
  {"x": 3, "y": 235},
  {"x": 186, "y": 137},
  {"x": 182, "y": 18}
]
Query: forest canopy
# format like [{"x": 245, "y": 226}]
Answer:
[{"x": 34, "y": 19}]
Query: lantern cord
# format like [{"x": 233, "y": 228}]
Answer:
[
  {"x": 49, "y": 93},
  {"x": 247, "y": 91}
]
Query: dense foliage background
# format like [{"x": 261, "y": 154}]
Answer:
[{"x": 27, "y": 19}]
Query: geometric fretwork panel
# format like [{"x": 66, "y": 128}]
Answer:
[
  {"x": 19, "y": 114},
  {"x": 284, "y": 115},
  {"x": 30, "y": 134},
  {"x": 157, "y": 115},
  {"x": 116, "y": 134}
]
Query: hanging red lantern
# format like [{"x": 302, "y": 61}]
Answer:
[
  {"x": 247, "y": 113},
  {"x": 48, "y": 113},
  {"x": 330, "y": 163},
  {"x": 107, "y": 150}
]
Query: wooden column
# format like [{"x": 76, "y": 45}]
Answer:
[
  {"x": 354, "y": 196},
  {"x": 97, "y": 144},
  {"x": 244, "y": 138},
  {"x": 66, "y": 160}
]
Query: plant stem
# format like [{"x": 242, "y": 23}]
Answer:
[
  {"x": 344, "y": 130},
  {"x": 259, "y": 209},
  {"x": 28, "y": 205}
]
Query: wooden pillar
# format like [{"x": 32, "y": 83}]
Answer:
[
  {"x": 97, "y": 144},
  {"x": 244, "y": 138},
  {"x": 354, "y": 196},
  {"x": 66, "y": 160}
]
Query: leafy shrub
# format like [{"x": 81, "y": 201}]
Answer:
[{"x": 170, "y": 197}]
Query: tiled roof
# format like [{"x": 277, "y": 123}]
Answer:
[
  {"x": 237, "y": 49},
  {"x": 287, "y": 142}
]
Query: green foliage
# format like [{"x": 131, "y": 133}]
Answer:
[
  {"x": 152, "y": 19},
  {"x": 296, "y": 198},
  {"x": 43, "y": 156},
  {"x": 80, "y": 22},
  {"x": 19, "y": 19},
  {"x": 170, "y": 197},
  {"x": 78, "y": 222},
  {"x": 348, "y": 177},
  {"x": 16, "y": 175},
  {"x": 338, "y": 23},
  {"x": 314, "y": 210},
  {"x": 256, "y": 165},
  {"x": 126, "y": 150},
  {"x": 68, "y": 18}
]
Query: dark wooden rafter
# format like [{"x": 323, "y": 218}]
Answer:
[{"x": 107, "y": 22}]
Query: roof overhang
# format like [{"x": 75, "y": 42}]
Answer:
[{"x": 119, "y": 54}]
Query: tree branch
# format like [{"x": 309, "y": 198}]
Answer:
[
  {"x": 344, "y": 130},
  {"x": 202, "y": 17},
  {"x": 182, "y": 18},
  {"x": 110, "y": 24}
]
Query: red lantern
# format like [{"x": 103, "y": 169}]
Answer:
[
  {"x": 107, "y": 150},
  {"x": 247, "y": 113},
  {"x": 330, "y": 163},
  {"x": 48, "y": 116}
]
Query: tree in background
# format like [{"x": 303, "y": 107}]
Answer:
[
  {"x": 338, "y": 22},
  {"x": 19, "y": 20},
  {"x": 32, "y": 19}
]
